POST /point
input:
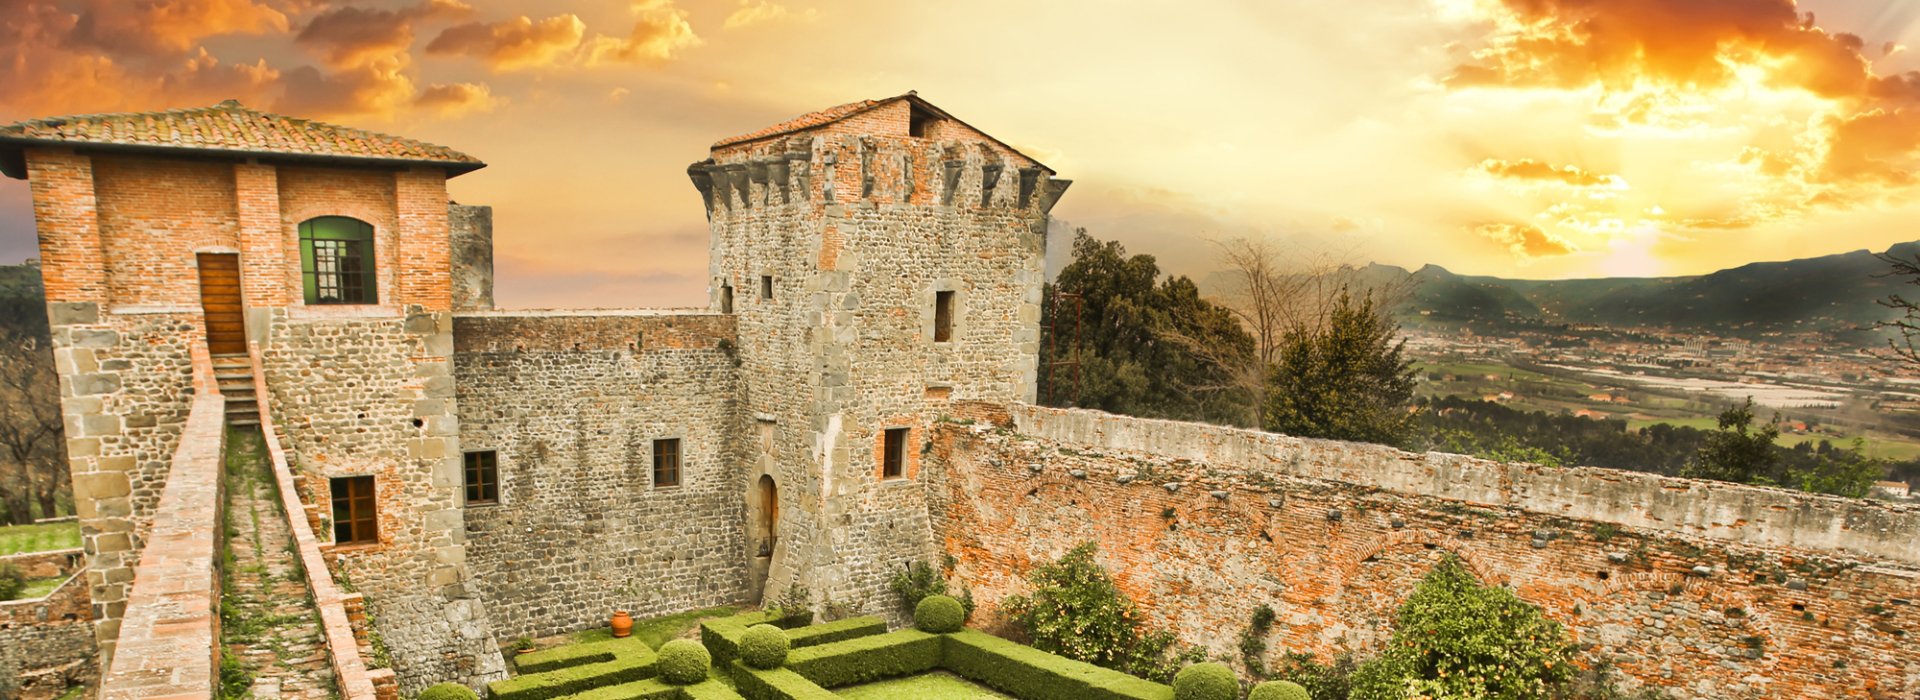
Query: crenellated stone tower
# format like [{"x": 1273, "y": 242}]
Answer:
[{"x": 882, "y": 259}]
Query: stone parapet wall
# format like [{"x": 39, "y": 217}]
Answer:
[
  {"x": 58, "y": 562},
  {"x": 571, "y": 404},
  {"x": 1201, "y": 524},
  {"x": 167, "y": 643},
  {"x": 1731, "y": 512}
]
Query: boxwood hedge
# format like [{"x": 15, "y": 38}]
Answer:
[
  {"x": 575, "y": 669},
  {"x": 897, "y": 653}
]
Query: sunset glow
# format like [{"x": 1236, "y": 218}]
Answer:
[{"x": 1522, "y": 138}]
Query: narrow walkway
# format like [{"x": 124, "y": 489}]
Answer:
[{"x": 272, "y": 633}]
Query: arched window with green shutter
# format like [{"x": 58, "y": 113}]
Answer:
[{"x": 336, "y": 261}]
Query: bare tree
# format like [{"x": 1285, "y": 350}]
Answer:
[
  {"x": 33, "y": 466},
  {"x": 1277, "y": 293},
  {"x": 1907, "y": 326}
]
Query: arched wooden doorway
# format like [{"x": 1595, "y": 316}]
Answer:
[{"x": 763, "y": 527}]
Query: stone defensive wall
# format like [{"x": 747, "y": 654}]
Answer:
[
  {"x": 48, "y": 640},
  {"x": 1704, "y": 589},
  {"x": 572, "y": 405}
]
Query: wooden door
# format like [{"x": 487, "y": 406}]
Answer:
[{"x": 220, "y": 299}]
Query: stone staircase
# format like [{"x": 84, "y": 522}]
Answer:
[{"x": 234, "y": 373}]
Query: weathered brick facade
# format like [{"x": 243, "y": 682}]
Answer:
[{"x": 1800, "y": 595}]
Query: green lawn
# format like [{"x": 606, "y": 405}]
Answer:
[
  {"x": 37, "y": 587},
  {"x": 660, "y": 630},
  {"x": 15, "y": 539},
  {"x": 933, "y": 685}
]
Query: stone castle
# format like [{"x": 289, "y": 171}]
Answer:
[{"x": 856, "y": 397}]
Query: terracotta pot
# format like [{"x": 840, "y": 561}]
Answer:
[{"x": 622, "y": 623}]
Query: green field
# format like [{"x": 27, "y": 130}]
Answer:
[
  {"x": 38, "y": 587},
  {"x": 934, "y": 685},
  {"x": 15, "y": 539}
]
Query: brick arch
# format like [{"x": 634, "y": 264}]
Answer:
[
  {"x": 1350, "y": 558},
  {"x": 1668, "y": 582},
  {"x": 386, "y": 238}
]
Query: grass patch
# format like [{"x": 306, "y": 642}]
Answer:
[
  {"x": 933, "y": 685},
  {"x": 37, "y": 587},
  {"x": 17, "y": 539},
  {"x": 659, "y": 630}
]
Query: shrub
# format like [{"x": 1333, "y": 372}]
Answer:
[
  {"x": 920, "y": 580},
  {"x": 11, "y": 581},
  {"x": 1025, "y": 672},
  {"x": 1455, "y": 638},
  {"x": 448, "y": 691},
  {"x": 683, "y": 662},
  {"x": 1323, "y": 681},
  {"x": 1206, "y": 681},
  {"x": 764, "y": 646},
  {"x": 898, "y": 653},
  {"x": 1076, "y": 611},
  {"x": 1279, "y": 690},
  {"x": 939, "y": 614}
]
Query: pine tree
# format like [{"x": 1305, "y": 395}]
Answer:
[{"x": 1347, "y": 380}]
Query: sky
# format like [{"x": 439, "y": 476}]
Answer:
[{"x": 1520, "y": 138}]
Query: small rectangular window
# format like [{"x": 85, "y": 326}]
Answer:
[
  {"x": 942, "y": 317},
  {"x": 354, "y": 517},
  {"x": 893, "y": 463},
  {"x": 766, "y": 287},
  {"x": 483, "y": 478},
  {"x": 666, "y": 462},
  {"x": 726, "y": 298}
]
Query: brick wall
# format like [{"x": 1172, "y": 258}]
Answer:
[
  {"x": 1200, "y": 524},
  {"x": 571, "y": 405},
  {"x": 155, "y": 213}
]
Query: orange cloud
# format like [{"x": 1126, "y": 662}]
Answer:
[
  {"x": 350, "y": 37},
  {"x": 760, "y": 12},
  {"x": 457, "y": 99},
  {"x": 1529, "y": 169},
  {"x": 170, "y": 27},
  {"x": 1525, "y": 240},
  {"x": 659, "y": 31},
  {"x": 514, "y": 43},
  {"x": 379, "y": 88}
]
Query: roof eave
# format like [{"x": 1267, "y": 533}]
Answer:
[
  {"x": 912, "y": 97},
  {"x": 13, "y": 156}
]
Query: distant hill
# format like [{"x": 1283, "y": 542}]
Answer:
[{"x": 1833, "y": 293}]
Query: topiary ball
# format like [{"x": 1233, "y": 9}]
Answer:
[
  {"x": 448, "y": 691},
  {"x": 1279, "y": 690},
  {"x": 939, "y": 614},
  {"x": 683, "y": 662},
  {"x": 764, "y": 646},
  {"x": 1207, "y": 681}
]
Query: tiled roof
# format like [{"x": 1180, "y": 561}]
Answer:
[
  {"x": 839, "y": 112},
  {"x": 808, "y": 120},
  {"x": 229, "y": 126}
]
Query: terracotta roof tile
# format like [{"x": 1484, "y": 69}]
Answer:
[
  {"x": 229, "y": 126},
  {"x": 808, "y": 120}
]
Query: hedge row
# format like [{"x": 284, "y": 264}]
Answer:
[
  {"x": 721, "y": 635},
  {"x": 576, "y": 669},
  {"x": 897, "y": 653},
  {"x": 775, "y": 684},
  {"x": 1026, "y": 672},
  {"x": 841, "y": 630},
  {"x": 580, "y": 654},
  {"x": 649, "y": 689}
]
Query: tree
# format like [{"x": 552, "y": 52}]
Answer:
[
  {"x": 33, "y": 466},
  {"x": 1348, "y": 380},
  {"x": 1456, "y": 639},
  {"x": 1275, "y": 295},
  {"x": 1906, "y": 328},
  {"x": 1737, "y": 452},
  {"x": 1147, "y": 346}
]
